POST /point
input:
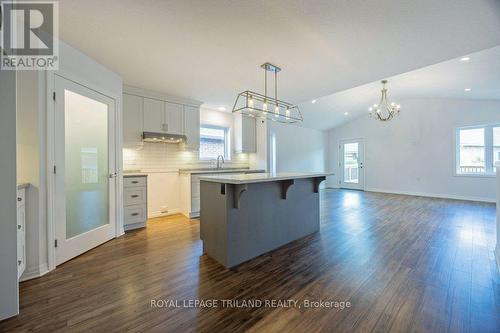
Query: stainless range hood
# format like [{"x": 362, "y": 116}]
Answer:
[{"x": 163, "y": 137}]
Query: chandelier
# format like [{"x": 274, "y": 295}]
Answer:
[
  {"x": 253, "y": 104},
  {"x": 384, "y": 111}
]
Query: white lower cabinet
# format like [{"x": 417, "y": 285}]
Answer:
[
  {"x": 21, "y": 231},
  {"x": 135, "y": 202},
  {"x": 190, "y": 195},
  {"x": 190, "y": 191}
]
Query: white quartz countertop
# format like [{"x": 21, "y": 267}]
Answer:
[
  {"x": 214, "y": 170},
  {"x": 260, "y": 177}
]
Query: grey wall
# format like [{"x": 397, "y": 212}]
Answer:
[
  {"x": 299, "y": 149},
  {"x": 31, "y": 166},
  {"x": 415, "y": 152},
  {"x": 9, "y": 292}
]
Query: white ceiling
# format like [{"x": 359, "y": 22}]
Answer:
[
  {"x": 210, "y": 50},
  {"x": 448, "y": 79}
]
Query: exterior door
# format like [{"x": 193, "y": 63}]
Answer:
[
  {"x": 351, "y": 164},
  {"x": 85, "y": 172}
]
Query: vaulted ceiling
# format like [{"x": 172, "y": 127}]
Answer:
[{"x": 210, "y": 50}]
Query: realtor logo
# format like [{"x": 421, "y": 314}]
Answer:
[{"x": 29, "y": 35}]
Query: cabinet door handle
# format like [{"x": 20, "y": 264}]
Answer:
[
  {"x": 19, "y": 199},
  {"x": 135, "y": 182},
  {"x": 135, "y": 214},
  {"x": 135, "y": 196}
]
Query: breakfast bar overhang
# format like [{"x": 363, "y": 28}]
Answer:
[{"x": 244, "y": 216}]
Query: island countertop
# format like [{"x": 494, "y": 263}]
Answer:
[{"x": 261, "y": 177}]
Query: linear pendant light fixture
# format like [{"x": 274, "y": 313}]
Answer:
[
  {"x": 384, "y": 111},
  {"x": 253, "y": 104}
]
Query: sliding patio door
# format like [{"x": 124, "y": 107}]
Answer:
[{"x": 84, "y": 170}]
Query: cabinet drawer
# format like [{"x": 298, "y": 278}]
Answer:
[
  {"x": 135, "y": 214},
  {"x": 134, "y": 196},
  {"x": 134, "y": 181}
]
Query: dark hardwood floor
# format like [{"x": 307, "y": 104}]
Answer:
[{"x": 406, "y": 264}]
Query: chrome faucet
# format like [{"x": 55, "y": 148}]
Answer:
[{"x": 219, "y": 165}]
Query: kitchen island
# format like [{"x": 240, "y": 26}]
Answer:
[{"x": 246, "y": 215}]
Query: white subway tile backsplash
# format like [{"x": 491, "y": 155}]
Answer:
[{"x": 160, "y": 157}]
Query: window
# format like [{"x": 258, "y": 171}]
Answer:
[
  {"x": 478, "y": 148},
  {"x": 496, "y": 145},
  {"x": 214, "y": 141}
]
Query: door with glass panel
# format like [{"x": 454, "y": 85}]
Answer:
[
  {"x": 84, "y": 169},
  {"x": 351, "y": 164}
]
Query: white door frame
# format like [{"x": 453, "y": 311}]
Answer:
[
  {"x": 362, "y": 175},
  {"x": 50, "y": 137}
]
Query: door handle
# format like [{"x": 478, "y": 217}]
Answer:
[{"x": 361, "y": 165}]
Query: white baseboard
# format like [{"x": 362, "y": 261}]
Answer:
[
  {"x": 433, "y": 195},
  {"x": 160, "y": 214},
  {"x": 35, "y": 272}
]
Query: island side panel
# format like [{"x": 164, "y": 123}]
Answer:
[
  {"x": 265, "y": 221},
  {"x": 213, "y": 221}
]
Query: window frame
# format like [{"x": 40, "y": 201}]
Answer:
[
  {"x": 227, "y": 142},
  {"x": 489, "y": 168}
]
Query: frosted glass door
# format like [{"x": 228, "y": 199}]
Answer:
[
  {"x": 352, "y": 172},
  {"x": 86, "y": 163},
  {"x": 84, "y": 171}
]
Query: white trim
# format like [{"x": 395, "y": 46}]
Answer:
[
  {"x": 433, "y": 195},
  {"x": 35, "y": 272},
  {"x": 475, "y": 175},
  {"x": 130, "y": 90},
  {"x": 488, "y": 151},
  {"x": 160, "y": 214},
  {"x": 51, "y": 233},
  {"x": 362, "y": 183},
  {"x": 497, "y": 256},
  {"x": 50, "y": 88}
]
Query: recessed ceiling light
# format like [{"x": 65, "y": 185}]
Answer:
[
  {"x": 313, "y": 101},
  {"x": 464, "y": 59},
  {"x": 467, "y": 89},
  {"x": 346, "y": 113},
  {"x": 221, "y": 108}
]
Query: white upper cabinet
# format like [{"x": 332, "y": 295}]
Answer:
[
  {"x": 245, "y": 134},
  {"x": 147, "y": 111},
  {"x": 154, "y": 116},
  {"x": 174, "y": 118},
  {"x": 192, "y": 127},
  {"x": 132, "y": 120}
]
